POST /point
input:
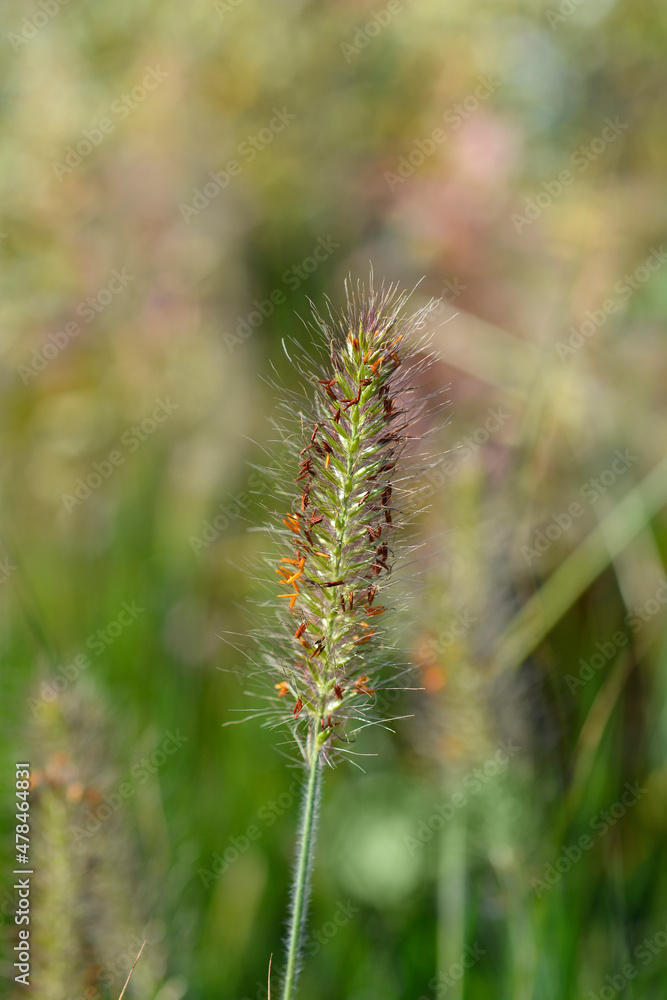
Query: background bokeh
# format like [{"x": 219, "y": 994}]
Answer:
[{"x": 177, "y": 181}]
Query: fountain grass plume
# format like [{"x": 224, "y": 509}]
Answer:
[{"x": 353, "y": 484}]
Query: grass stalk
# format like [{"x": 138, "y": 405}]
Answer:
[{"x": 302, "y": 873}]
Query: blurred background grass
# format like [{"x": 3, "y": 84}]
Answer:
[{"x": 542, "y": 624}]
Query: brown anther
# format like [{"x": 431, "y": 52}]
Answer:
[
  {"x": 312, "y": 440},
  {"x": 334, "y": 583},
  {"x": 301, "y": 629},
  {"x": 328, "y": 384},
  {"x": 353, "y": 401},
  {"x": 386, "y": 496},
  {"x": 380, "y": 610},
  {"x": 337, "y": 416},
  {"x": 350, "y": 599},
  {"x": 342, "y": 603},
  {"x": 338, "y": 690},
  {"x": 364, "y": 498},
  {"x": 297, "y": 708},
  {"x": 315, "y": 519},
  {"x": 306, "y": 470},
  {"x": 371, "y": 594},
  {"x": 305, "y": 500},
  {"x": 387, "y": 515}
]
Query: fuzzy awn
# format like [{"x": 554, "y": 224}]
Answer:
[{"x": 352, "y": 486}]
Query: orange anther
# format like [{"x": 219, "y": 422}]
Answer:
[
  {"x": 359, "y": 640},
  {"x": 360, "y": 685},
  {"x": 295, "y": 576}
]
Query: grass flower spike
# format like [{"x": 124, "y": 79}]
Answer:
[
  {"x": 348, "y": 503},
  {"x": 353, "y": 480}
]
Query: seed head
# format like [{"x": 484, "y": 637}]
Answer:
[{"x": 353, "y": 485}]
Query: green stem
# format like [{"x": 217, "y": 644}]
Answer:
[
  {"x": 301, "y": 884},
  {"x": 352, "y": 449}
]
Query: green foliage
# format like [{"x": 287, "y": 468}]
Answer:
[{"x": 465, "y": 142}]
